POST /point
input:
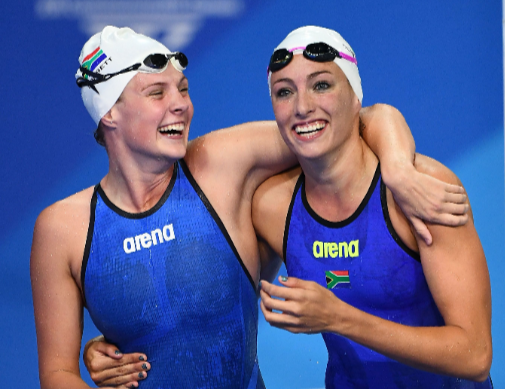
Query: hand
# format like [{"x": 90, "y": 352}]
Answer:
[
  {"x": 307, "y": 306},
  {"x": 107, "y": 366},
  {"x": 422, "y": 197}
]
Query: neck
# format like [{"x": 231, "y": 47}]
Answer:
[
  {"x": 136, "y": 188},
  {"x": 336, "y": 184}
]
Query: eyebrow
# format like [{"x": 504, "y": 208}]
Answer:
[
  {"x": 153, "y": 84},
  {"x": 161, "y": 83},
  {"x": 309, "y": 77},
  {"x": 315, "y": 74}
]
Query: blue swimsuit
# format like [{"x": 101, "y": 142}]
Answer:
[
  {"x": 170, "y": 283},
  {"x": 364, "y": 262}
]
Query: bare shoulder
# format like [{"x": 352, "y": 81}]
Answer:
[
  {"x": 271, "y": 205},
  {"x": 278, "y": 187},
  {"x": 60, "y": 232},
  {"x": 435, "y": 169},
  {"x": 67, "y": 212}
]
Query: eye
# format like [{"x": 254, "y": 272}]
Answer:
[
  {"x": 156, "y": 93},
  {"x": 321, "y": 86},
  {"x": 283, "y": 92},
  {"x": 184, "y": 87}
]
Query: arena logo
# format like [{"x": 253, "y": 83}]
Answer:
[
  {"x": 173, "y": 22},
  {"x": 146, "y": 240},
  {"x": 336, "y": 249}
]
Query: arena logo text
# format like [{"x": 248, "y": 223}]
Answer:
[
  {"x": 335, "y": 249},
  {"x": 146, "y": 240}
]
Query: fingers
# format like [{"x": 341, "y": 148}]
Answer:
[
  {"x": 279, "y": 320},
  {"x": 280, "y": 291},
  {"x": 293, "y": 282},
  {"x": 284, "y": 320},
  {"x": 453, "y": 220},
  {"x": 275, "y": 304},
  {"x": 126, "y": 381},
  {"x": 129, "y": 385},
  {"x": 449, "y": 214},
  {"x": 456, "y": 198},
  {"x": 106, "y": 371},
  {"x": 97, "y": 348},
  {"x": 106, "y": 349},
  {"x": 456, "y": 189},
  {"x": 422, "y": 230},
  {"x": 454, "y": 209}
]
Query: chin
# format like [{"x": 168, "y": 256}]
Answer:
[{"x": 177, "y": 152}]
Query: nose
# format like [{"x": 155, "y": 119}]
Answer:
[
  {"x": 304, "y": 104},
  {"x": 178, "y": 103}
]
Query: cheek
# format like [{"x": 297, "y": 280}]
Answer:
[
  {"x": 282, "y": 111},
  {"x": 191, "y": 109}
]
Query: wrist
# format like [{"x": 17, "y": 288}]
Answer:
[
  {"x": 397, "y": 172},
  {"x": 340, "y": 318}
]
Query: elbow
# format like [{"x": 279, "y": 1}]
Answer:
[
  {"x": 387, "y": 110},
  {"x": 481, "y": 365},
  {"x": 483, "y": 371}
]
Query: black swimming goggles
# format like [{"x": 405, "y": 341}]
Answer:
[
  {"x": 318, "y": 52},
  {"x": 153, "y": 63}
]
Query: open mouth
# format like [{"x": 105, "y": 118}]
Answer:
[
  {"x": 174, "y": 129},
  {"x": 308, "y": 129}
]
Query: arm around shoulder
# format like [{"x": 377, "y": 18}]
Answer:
[
  {"x": 421, "y": 196},
  {"x": 255, "y": 150}
]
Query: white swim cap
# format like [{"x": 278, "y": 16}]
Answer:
[
  {"x": 297, "y": 40},
  {"x": 110, "y": 51}
]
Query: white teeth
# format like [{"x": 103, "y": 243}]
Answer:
[
  {"x": 177, "y": 127},
  {"x": 307, "y": 128}
]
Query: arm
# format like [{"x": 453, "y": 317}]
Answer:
[
  {"x": 57, "y": 304},
  {"x": 420, "y": 196},
  {"x": 269, "y": 211},
  {"x": 108, "y": 366},
  {"x": 462, "y": 347},
  {"x": 255, "y": 150},
  {"x": 270, "y": 261}
]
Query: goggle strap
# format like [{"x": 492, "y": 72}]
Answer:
[
  {"x": 348, "y": 57},
  {"x": 175, "y": 58},
  {"x": 298, "y": 48}
]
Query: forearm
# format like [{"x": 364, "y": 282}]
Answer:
[
  {"x": 62, "y": 379},
  {"x": 449, "y": 350},
  {"x": 388, "y": 135},
  {"x": 270, "y": 153}
]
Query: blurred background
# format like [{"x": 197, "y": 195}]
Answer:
[{"x": 439, "y": 62}]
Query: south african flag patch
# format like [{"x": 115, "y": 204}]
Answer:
[
  {"x": 337, "y": 279},
  {"x": 92, "y": 60}
]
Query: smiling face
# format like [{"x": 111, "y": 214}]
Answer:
[
  {"x": 151, "y": 119},
  {"x": 315, "y": 107}
]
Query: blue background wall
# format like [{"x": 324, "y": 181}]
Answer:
[{"x": 440, "y": 63}]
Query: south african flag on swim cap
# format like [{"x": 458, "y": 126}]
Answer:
[
  {"x": 337, "y": 278},
  {"x": 92, "y": 60}
]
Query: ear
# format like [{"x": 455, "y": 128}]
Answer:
[{"x": 108, "y": 121}]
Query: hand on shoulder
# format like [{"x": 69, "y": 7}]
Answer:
[{"x": 429, "y": 192}]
